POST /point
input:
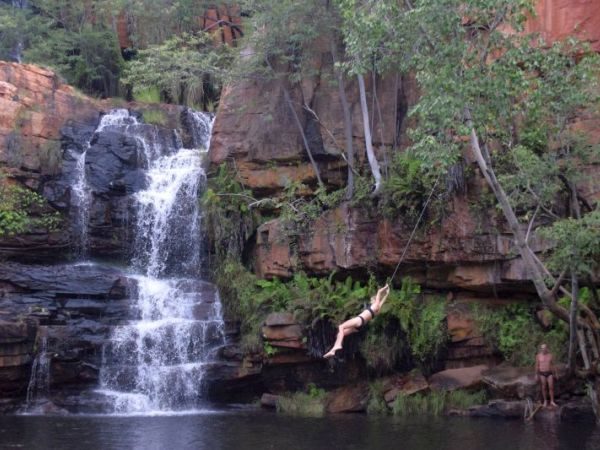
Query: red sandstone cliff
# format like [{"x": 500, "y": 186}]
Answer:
[
  {"x": 34, "y": 105},
  {"x": 468, "y": 251},
  {"x": 558, "y": 19}
]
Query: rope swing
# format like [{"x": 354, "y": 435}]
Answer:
[{"x": 415, "y": 228}]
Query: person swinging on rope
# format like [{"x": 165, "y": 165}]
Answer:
[{"x": 356, "y": 323}]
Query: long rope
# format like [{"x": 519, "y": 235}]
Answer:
[{"x": 415, "y": 228}]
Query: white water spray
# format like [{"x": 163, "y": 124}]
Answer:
[{"x": 156, "y": 364}]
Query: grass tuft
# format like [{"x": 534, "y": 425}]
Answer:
[{"x": 436, "y": 402}]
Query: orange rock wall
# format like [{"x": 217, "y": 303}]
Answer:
[
  {"x": 34, "y": 105},
  {"x": 464, "y": 252},
  {"x": 558, "y": 19}
]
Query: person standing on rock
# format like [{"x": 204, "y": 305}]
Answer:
[
  {"x": 546, "y": 374},
  {"x": 355, "y": 324}
]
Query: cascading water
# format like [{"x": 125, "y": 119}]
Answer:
[
  {"x": 80, "y": 190},
  {"x": 17, "y": 51},
  {"x": 155, "y": 364},
  {"x": 39, "y": 382}
]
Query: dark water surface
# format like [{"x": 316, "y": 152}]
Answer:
[{"x": 263, "y": 430}]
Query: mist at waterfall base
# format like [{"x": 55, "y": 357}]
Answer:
[
  {"x": 241, "y": 430},
  {"x": 152, "y": 364}
]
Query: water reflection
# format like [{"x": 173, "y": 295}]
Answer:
[{"x": 260, "y": 430}]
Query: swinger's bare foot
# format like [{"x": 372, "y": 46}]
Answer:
[
  {"x": 553, "y": 405},
  {"x": 544, "y": 405},
  {"x": 331, "y": 353}
]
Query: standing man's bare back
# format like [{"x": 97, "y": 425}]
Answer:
[{"x": 545, "y": 373}]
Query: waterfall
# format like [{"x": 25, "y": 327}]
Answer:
[
  {"x": 17, "y": 51},
  {"x": 80, "y": 200},
  {"x": 39, "y": 381},
  {"x": 81, "y": 195},
  {"x": 155, "y": 363}
]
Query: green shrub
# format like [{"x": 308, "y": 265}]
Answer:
[
  {"x": 147, "y": 95},
  {"x": 310, "y": 404},
  {"x": 377, "y": 404},
  {"x": 22, "y": 209},
  {"x": 228, "y": 220},
  {"x": 422, "y": 321},
  {"x": 460, "y": 399},
  {"x": 406, "y": 188},
  {"x": 187, "y": 69},
  {"x": 419, "y": 404},
  {"x": 513, "y": 330},
  {"x": 154, "y": 117},
  {"x": 385, "y": 345},
  {"x": 436, "y": 402}
]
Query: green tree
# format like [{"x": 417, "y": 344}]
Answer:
[
  {"x": 513, "y": 98},
  {"x": 187, "y": 69}
]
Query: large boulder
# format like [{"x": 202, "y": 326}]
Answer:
[
  {"x": 511, "y": 382},
  {"x": 519, "y": 382},
  {"x": 282, "y": 330},
  {"x": 405, "y": 384},
  {"x": 348, "y": 399},
  {"x": 452, "y": 379},
  {"x": 505, "y": 409}
]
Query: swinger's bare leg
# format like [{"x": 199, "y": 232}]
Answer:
[{"x": 346, "y": 328}]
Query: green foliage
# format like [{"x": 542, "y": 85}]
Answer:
[
  {"x": 154, "y": 117},
  {"x": 406, "y": 188},
  {"x": 310, "y": 404},
  {"x": 419, "y": 404},
  {"x": 228, "y": 220},
  {"x": 436, "y": 402},
  {"x": 151, "y": 22},
  {"x": 298, "y": 210},
  {"x": 422, "y": 321},
  {"x": 460, "y": 399},
  {"x": 22, "y": 210},
  {"x": 149, "y": 94},
  {"x": 513, "y": 330},
  {"x": 269, "y": 350},
  {"x": 326, "y": 298},
  {"x": 288, "y": 45},
  {"x": 377, "y": 404},
  {"x": 385, "y": 345},
  {"x": 186, "y": 69},
  {"x": 64, "y": 35},
  {"x": 576, "y": 244},
  {"x": 249, "y": 298},
  {"x": 12, "y": 23}
]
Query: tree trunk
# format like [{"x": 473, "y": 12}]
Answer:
[
  {"x": 545, "y": 294},
  {"x": 368, "y": 140},
  {"x": 573, "y": 324},
  {"x": 288, "y": 101},
  {"x": 347, "y": 124}
]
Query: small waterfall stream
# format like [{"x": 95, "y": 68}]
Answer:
[
  {"x": 17, "y": 51},
  {"x": 39, "y": 382}
]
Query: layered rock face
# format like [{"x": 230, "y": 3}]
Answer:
[
  {"x": 559, "y": 19},
  {"x": 69, "y": 308},
  {"x": 88, "y": 160},
  {"x": 34, "y": 106},
  {"x": 468, "y": 256}
]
